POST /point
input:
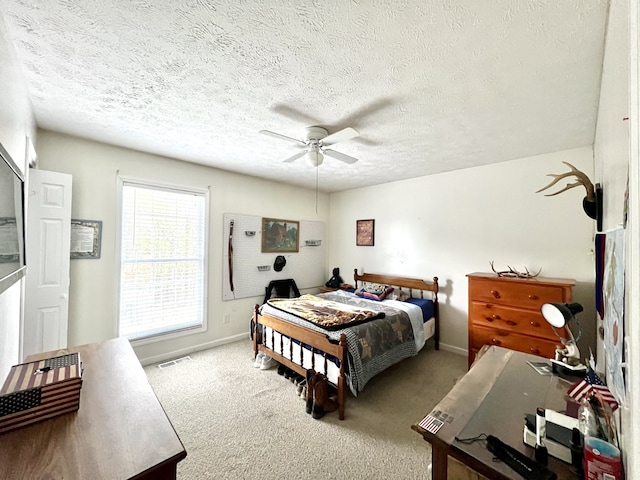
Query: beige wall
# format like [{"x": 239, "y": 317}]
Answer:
[
  {"x": 455, "y": 223},
  {"x": 16, "y": 124},
  {"x": 93, "y": 290}
]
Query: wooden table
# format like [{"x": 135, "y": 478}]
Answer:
[
  {"x": 493, "y": 398},
  {"x": 120, "y": 431}
]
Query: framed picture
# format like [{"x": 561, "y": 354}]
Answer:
[
  {"x": 9, "y": 243},
  {"x": 86, "y": 237},
  {"x": 280, "y": 235},
  {"x": 365, "y": 230}
]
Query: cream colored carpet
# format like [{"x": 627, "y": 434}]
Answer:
[{"x": 240, "y": 422}]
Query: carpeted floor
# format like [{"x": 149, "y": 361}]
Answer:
[{"x": 240, "y": 422}]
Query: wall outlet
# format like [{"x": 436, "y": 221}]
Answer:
[{"x": 226, "y": 318}]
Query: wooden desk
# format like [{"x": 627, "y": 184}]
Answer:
[
  {"x": 120, "y": 432},
  {"x": 493, "y": 398}
]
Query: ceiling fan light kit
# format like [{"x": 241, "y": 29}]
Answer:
[
  {"x": 315, "y": 157},
  {"x": 313, "y": 147}
]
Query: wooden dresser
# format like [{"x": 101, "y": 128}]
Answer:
[{"x": 505, "y": 311}]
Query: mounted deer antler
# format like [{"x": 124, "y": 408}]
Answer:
[{"x": 588, "y": 202}]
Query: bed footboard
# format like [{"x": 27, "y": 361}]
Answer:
[{"x": 317, "y": 341}]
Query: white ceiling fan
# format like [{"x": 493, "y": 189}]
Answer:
[{"x": 314, "y": 146}]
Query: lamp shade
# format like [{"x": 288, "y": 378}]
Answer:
[{"x": 559, "y": 314}]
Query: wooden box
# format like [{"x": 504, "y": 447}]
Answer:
[{"x": 39, "y": 390}]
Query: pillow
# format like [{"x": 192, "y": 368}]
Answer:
[
  {"x": 398, "y": 295},
  {"x": 374, "y": 291}
]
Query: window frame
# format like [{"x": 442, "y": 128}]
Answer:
[{"x": 123, "y": 181}]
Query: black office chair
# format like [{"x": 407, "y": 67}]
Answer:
[{"x": 283, "y": 289}]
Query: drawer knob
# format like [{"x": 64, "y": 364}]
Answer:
[
  {"x": 534, "y": 324},
  {"x": 496, "y": 317},
  {"x": 512, "y": 323},
  {"x": 495, "y": 341},
  {"x": 533, "y": 297},
  {"x": 489, "y": 319},
  {"x": 535, "y": 350},
  {"x": 495, "y": 294}
]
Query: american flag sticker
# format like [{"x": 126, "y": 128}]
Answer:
[{"x": 431, "y": 424}]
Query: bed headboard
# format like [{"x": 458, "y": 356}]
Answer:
[{"x": 400, "y": 282}]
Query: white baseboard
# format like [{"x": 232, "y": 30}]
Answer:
[
  {"x": 452, "y": 349},
  {"x": 196, "y": 348}
]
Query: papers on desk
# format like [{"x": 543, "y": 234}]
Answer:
[{"x": 543, "y": 368}]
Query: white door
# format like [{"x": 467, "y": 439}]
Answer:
[{"x": 47, "y": 254}]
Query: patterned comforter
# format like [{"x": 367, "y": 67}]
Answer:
[
  {"x": 325, "y": 313},
  {"x": 372, "y": 346}
]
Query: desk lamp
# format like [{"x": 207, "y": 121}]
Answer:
[{"x": 559, "y": 316}]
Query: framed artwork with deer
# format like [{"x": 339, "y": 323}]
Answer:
[{"x": 280, "y": 235}]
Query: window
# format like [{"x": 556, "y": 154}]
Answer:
[{"x": 162, "y": 260}]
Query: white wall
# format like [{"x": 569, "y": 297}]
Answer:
[
  {"x": 612, "y": 163},
  {"x": 93, "y": 291},
  {"x": 16, "y": 123},
  {"x": 455, "y": 223}
]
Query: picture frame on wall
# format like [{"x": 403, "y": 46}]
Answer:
[
  {"x": 365, "y": 233},
  {"x": 280, "y": 235},
  {"x": 86, "y": 238},
  {"x": 9, "y": 243}
]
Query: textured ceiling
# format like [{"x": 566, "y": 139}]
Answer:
[{"x": 431, "y": 86}]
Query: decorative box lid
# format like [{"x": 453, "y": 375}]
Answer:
[{"x": 64, "y": 368}]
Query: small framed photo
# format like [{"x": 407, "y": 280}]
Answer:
[
  {"x": 365, "y": 233},
  {"x": 86, "y": 237},
  {"x": 280, "y": 235}
]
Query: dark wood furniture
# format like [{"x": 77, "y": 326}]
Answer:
[
  {"x": 120, "y": 431},
  {"x": 320, "y": 342},
  {"x": 493, "y": 398},
  {"x": 505, "y": 311},
  {"x": 326, "y": 289}
]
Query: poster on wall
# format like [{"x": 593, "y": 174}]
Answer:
[{"x": 613, "y": 305}]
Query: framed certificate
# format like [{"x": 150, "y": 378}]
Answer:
[{"x": 85, "y": 238}]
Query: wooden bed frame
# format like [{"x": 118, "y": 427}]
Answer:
[{"x": 319, "y": 341}]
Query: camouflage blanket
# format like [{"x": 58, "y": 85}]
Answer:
[
  {"x": 325, "y": 313},
  {"x": 372, "y": 346}
]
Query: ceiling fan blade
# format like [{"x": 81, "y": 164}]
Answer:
[
  {"x": 340, "y": 136},
  {"x": 340, "y": 156},
  {"x": 295, "y": 157},
  {"x": 283, "y": 137}
]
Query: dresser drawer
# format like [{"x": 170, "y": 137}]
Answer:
[
  {"x": 522, "y": 294},
  {"x": 491, "y": 315},
  {"x": 504, "y": 338}
]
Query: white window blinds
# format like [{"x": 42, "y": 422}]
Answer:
[{"x": 162, "y": 260}]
